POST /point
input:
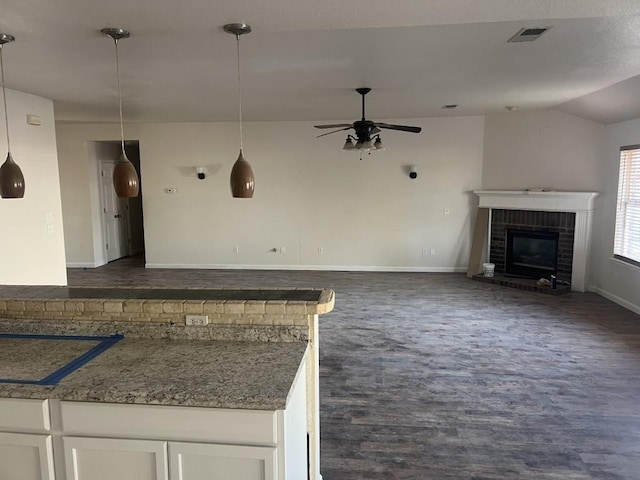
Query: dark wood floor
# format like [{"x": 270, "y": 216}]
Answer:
[{"x": 434, "y": 376}]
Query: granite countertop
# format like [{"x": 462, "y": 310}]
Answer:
[{"x": 195, "y": 373}]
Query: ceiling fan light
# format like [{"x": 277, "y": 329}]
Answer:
[
  {"x": 366, "y": 145},
  {"x": 242, "y": 180},
  {"x": 348, "y": 145},
  {"x": 378, "y": 144},
  {"x": 125, "y": 178}
]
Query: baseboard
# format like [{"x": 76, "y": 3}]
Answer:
[
  {"x": 616, "y": 299},
  {"x": 332, "y": 268},
  {"x": 81, "y": 265}
]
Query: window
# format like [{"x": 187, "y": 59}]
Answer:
[{"x": 627, "y": 240}]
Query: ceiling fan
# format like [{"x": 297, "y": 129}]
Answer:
[{"x": 367, "y": 132}]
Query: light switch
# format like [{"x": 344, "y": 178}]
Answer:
[{"x": 34, "y": 120}]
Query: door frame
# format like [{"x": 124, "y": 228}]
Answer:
[{"x": 98, "y": 150}]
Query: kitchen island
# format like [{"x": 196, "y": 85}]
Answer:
[{"x": 238, "y": 396}]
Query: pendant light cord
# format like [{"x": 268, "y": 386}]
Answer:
[
  {"x": 239, "y": 91},
  {"x": 115, "y": 41},
  {"x": 4, "y": 99}
]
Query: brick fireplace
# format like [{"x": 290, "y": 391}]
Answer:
[
  {"x": 570, "y": 214},
  {"x": 562, "y": 223}
]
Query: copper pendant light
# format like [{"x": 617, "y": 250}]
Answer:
[
  {"x": 11, "y": 178},
  {"x": 242, "y": 180},
  {"x": 125, "y": 177}
]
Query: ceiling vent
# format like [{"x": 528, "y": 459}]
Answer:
[{"x": 528, "y": 34}]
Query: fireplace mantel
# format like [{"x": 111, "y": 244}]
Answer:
[
  {"x": 552, "y": 201},
  {"x": 548, "y": 201}
]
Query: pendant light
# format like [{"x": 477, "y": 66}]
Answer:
[
  {"x": 11, "y": 178},
  {"x": 125, "y": 177},
  {"x": 242, "y": 180}
]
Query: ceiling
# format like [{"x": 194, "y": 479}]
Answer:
[{"x": 304, "y": 58}]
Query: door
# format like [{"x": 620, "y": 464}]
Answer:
[
  {"x": 114, "y": 214},
  {"x": 88, "y": 458},
  {"x": 199, "y": 461},
  {"x": 26, "y": 457}
]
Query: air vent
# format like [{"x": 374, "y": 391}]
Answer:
[
  {"x": 528, "y": 34},
  {"x": 449, "y": 107}
]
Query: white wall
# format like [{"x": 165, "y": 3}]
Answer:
[
  {"x": 81, "y": 200},
  {"x": 542, "y": 148},
  {"x": 364, "y": 214},
  {"x": 32, "y": 241},
  {"x": 615, "y": 280}
]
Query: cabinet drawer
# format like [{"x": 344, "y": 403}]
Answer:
[
  {"x": 253, "y": 427},
  {"x": 17, "y": 414},
  {"x": 194, "y": 461},
  {"x": 115, "y": 459}
]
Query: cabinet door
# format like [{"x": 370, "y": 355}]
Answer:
[
  {"x": 115, "y": 459},
  {"x": 198, "y": 461},
  {"x": 26, "y": 457}
]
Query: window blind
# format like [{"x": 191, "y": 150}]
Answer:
[{"x": 627, "y": 236}]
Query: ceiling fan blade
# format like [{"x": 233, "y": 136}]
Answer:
[
  {"x": 402, "y": 128},
  {"x": 374, "y": 130},
  {"x": 335, "y": 131},
  {"x": 337, "y": 125}
]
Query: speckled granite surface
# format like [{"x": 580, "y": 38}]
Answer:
[
  {"x": 201, "y": 373},
  {"x": 251, "y": 333},
  {"x": 53, "y": 354}
]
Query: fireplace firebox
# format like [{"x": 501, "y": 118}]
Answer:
[{"x": 531, "y": 253}]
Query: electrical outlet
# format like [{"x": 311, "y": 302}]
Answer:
[
  {"x": 236, "y": 250},
  {"x": 283, "y": 250},
  {"x": 320, "y": 250},
  {"x": 199, "y": 320},
  {"x": 425, "y": 251},
  {"x": 433, "y": 251},
  {"x": 447, "y": 211}
]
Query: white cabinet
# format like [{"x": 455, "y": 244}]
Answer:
[
  {"x": 114, "y": 459},
  {"x": 93, "y": 458},
  {"x": 101, "y": 441},
  {"x": 197, "y": 461},
  {"x": 26, "y": 457},
  {"x": 202, "y": 443},
  {"x": 26, "y": 451},
  {"x": 17, "y": 414}
]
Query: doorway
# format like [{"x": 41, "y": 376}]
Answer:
[
  {"x": 114, "y": 215},
  {"x": 121, "y": 218}
]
